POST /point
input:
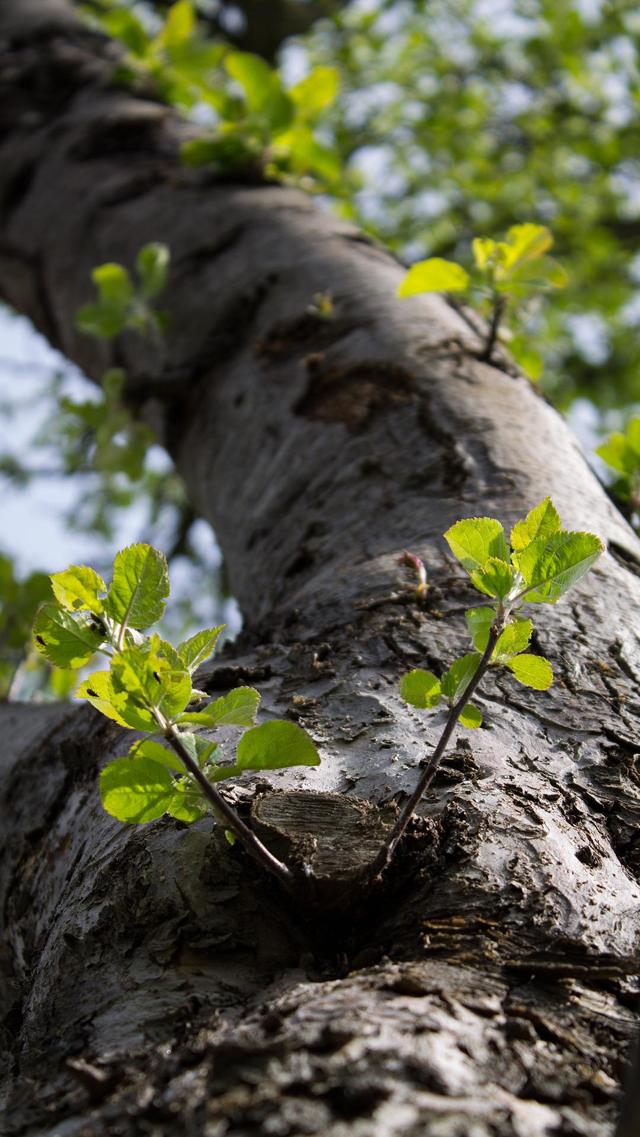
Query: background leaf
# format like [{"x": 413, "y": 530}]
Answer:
[{"x": 434, "y": 275}]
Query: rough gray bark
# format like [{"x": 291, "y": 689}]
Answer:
[{"x": 156, "y": 982}]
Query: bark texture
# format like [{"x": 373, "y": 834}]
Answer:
[{"x": 155, "y": 981}]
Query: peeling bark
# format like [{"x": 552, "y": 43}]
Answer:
[{"x": 155, "y": 981}]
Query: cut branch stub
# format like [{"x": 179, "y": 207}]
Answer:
[{"x": 329, "y": 840}]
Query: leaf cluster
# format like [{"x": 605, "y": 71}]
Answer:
[
  {"x": 463, "y": 123},
  {"x": 621, "y": 451},
  {"x": 123, "y": 303},
  {"x": 148, "y": 687},
  {"x": 538, "y": 565},
  {"x": 19, "y": 600},
  {"x": 504, "y": 272},
  {"x": 256, "y": 121}
]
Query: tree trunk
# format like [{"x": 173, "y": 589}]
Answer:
[{"x": 155, "y": 980}]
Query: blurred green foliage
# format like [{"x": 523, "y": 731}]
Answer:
[{"x": 467, "y": 116}]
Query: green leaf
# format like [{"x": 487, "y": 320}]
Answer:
[
  {"x": 179, "y": 25},
  {"x": 542, "y": 521},
  {"x": 531, "y": 670},
  {"x": 433, "y": 275},
  {"x": 254, "y": 76},
  {"x": 198, "y": 648},
  {"x": 238, "y": 708},
  {"x": 64, "y": 639},
  {"x": 202, "y": 750},
  {"x": 484, "y": 252},
  {"x": 229, "y": 151},
  {"x": 420, "y": 688},
  {"x": 479, "y": 621},
  {"x": 98, "y": 691},
  {"x": 123, "y": 25},
  {"x": 149, "y": 681},
  {"x": 475, "y": 539},
  {"x": 303, "y": 153},
  {"x": 515, "y": 638},
  {"x": 113, "y": 283},
  {"x": 470, "y": 716},
  {"x": 495, "y": 578},
  {"x": 527, "y": 242},
  {"x": 262, "y": 88},
  {"x": 187, "y": 803},
  {"x": 152, "y": 264},
  {"x": 139, "y": 588},
  {"x": 317, "y": 92},
  {"x": 77, "y": 588},
  {"x": 136, "y": 790},
  {"x": 456, "y": 680},
  {"x": 274, "y": 745},
  {"x": 553, "y": 564},
  {"x": 616, "y": 454},
  {"x": 102, "y": 320},
  {"x": 148, "y": 748}
]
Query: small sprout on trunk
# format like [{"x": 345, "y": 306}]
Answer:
[
  {"x": 148, "y": 687},
  {"x": 539, "y": 563}
]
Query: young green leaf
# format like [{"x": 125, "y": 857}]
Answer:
[
  {"x": 420, "y": 688},
  {"x": 148, "y": 748},
  {"x": 187, "y": 803},
  {"x": 550, "y": 566},
  {"x": 139, "y": 588},
  {"x": 479, "y": 621},
  {"x": 202, "y": 750},
  {"x": 66, "y": 640},
  {"x": 113, "y": 283},
  {"x": 136, "y": 789},
  {"x": 475, "y": 539},
  {"x": 148, "y": 680},
  {"x": 531, "y": 670},
  {"x": 262, "y": 88},
  {"x": 97, "y": 691},
  {"x": 78, "y": 588},
  {"x": 179, "y": 25},
  {"x": 433, "y": 275},
  {"x": 615, "y": 452},
  {"x": 542, "y": 521},
  {"x": 119, "y": 706},
  {"x": 470, "y": 716},
  {"x": 456, "y": 680},
  {"x": 238, "y": 708},
  {"x": 316, "y": 92},
  {"x": 495, "y": 578},
  {"x": 515, "y": 638},
  {"x": 100, "y": 319},
  {"x": 199, "y": 647},
  {"x": 275, "y": 745},
  {"x": 152, "y": 264}
]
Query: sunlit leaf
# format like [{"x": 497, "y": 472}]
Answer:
[
  {"x": 420, "y": 688},
  {"x": 275, "y": 745},
  {"x": 433, "y": 275}
]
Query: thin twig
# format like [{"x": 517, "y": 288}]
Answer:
[
  {"x": 431, "y": 767},
  {"x": 499, "y": 305},
  {"x": 246, "y": 836}
]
